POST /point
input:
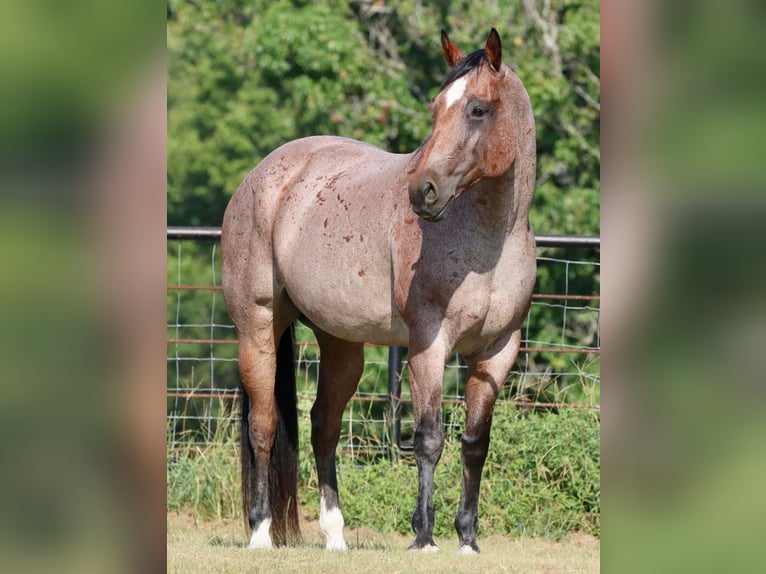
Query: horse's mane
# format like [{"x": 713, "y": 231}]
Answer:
[{"x": 470, "y": 62}]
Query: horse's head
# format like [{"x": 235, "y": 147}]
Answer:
[{"x": 472, "y": 137}]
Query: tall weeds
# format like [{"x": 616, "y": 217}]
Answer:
[{"x": 541, "y": 477}]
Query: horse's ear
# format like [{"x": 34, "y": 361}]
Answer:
[
  {"x": 451, "y": 52},
  {"x": 494, "y": 50}
]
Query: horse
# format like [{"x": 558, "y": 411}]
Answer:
[{"x": 432, "y": 250}]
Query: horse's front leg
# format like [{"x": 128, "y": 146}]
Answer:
[
  {"x": 486, "y": 375},
  {"x": 426, "y": 370},
  {"x": 341, "y": 365}
]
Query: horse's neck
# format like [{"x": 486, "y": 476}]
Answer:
[
  {"x": 501, "y": 204},
  {"x": 412, "y": 160}
]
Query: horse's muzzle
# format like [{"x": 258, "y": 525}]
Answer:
[{"x": 427, "y": 202}]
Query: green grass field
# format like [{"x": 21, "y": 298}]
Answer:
[{"x": 196, "y": 546}]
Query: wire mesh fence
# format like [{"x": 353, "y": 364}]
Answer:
[{"x": 558, "y": 365}]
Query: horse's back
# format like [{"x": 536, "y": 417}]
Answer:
[{"x": 314, "y": 219}]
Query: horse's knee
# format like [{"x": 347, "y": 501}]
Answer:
[
  {"x": 474, "y": 448},
  {"x": 429, "y": 442}
]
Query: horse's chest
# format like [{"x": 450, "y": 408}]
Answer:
[
  {"x": 482, "y": 307},
  {"x": 485, "y": 305},
  {"x": 503, "y": 311}
]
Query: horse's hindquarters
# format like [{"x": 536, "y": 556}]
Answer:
[{"x": 332, "y": 240}]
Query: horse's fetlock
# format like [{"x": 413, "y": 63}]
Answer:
[
  {"x": 466, "y": 524},
  {"x": 256, "y": 516}
]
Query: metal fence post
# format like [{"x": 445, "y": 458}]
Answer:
[{"x": 394, "y": 397}]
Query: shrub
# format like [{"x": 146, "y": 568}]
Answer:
[{"x": 541, "y": 478}]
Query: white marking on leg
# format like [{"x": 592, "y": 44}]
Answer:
[
  {"x": 455, "y": 91},
  {"x": 466, "y": 550},
  {"x": 261, "y": 537},
  {"x": 430, "y": 549},
  {"x": 331, "y": 524}
]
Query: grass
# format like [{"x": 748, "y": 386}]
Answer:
[
  {"x": 541, "y": 479},
  {"x": 218, "y": 546}
]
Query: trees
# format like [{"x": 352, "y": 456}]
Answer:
[{"x": 246, "y": 77}]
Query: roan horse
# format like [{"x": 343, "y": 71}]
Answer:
[{"x": 357, "y": 244}]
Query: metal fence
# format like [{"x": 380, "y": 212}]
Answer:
[{"x": 558, "y": 365}]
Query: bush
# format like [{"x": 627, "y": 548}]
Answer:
[
  {"x": 541, "y": 479},
  {"x": 205, "y": 481}
]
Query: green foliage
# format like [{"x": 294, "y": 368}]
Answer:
[
  {"x": 240, "y": 87},
  {"x": 544, "y": 473},
  {"x": 541, "y": 478},
  {"x": 245, "y": 77},
  {"x": 206, "y": 480}
]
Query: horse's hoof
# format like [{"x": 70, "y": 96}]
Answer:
[
  {"x": 336, "y": 545},
  {"x": 261, "y": 539},
  {"x": 425, "y": 549},
  {"x": 468, "y": 550}
]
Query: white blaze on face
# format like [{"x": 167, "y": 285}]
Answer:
[{"x": 456, "y": 91}]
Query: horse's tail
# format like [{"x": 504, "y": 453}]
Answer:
[{"x": 283, "y": 465}]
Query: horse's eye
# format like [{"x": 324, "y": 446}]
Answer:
[{"x": 478, "y": 111}]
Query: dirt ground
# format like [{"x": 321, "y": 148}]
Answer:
[{"x": 220, "y": 546}]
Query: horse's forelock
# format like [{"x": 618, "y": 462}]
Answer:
[{"x": 470, "y": 62}]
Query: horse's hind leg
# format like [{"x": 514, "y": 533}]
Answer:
[
  {"x": 485, "y": 379},
  {"x": 257, "y": 366},
  {"x": 259, "y": 333},
  {"x": 340, "y": 367}
]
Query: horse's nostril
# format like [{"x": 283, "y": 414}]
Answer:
[{"x": 429, "y": 193}]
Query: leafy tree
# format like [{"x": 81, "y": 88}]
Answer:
[{"x": 247, "y": 76}]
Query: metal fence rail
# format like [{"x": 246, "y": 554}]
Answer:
[
  {"x": 542, "y": 240},
  {"x": 203, "y": 379}
]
